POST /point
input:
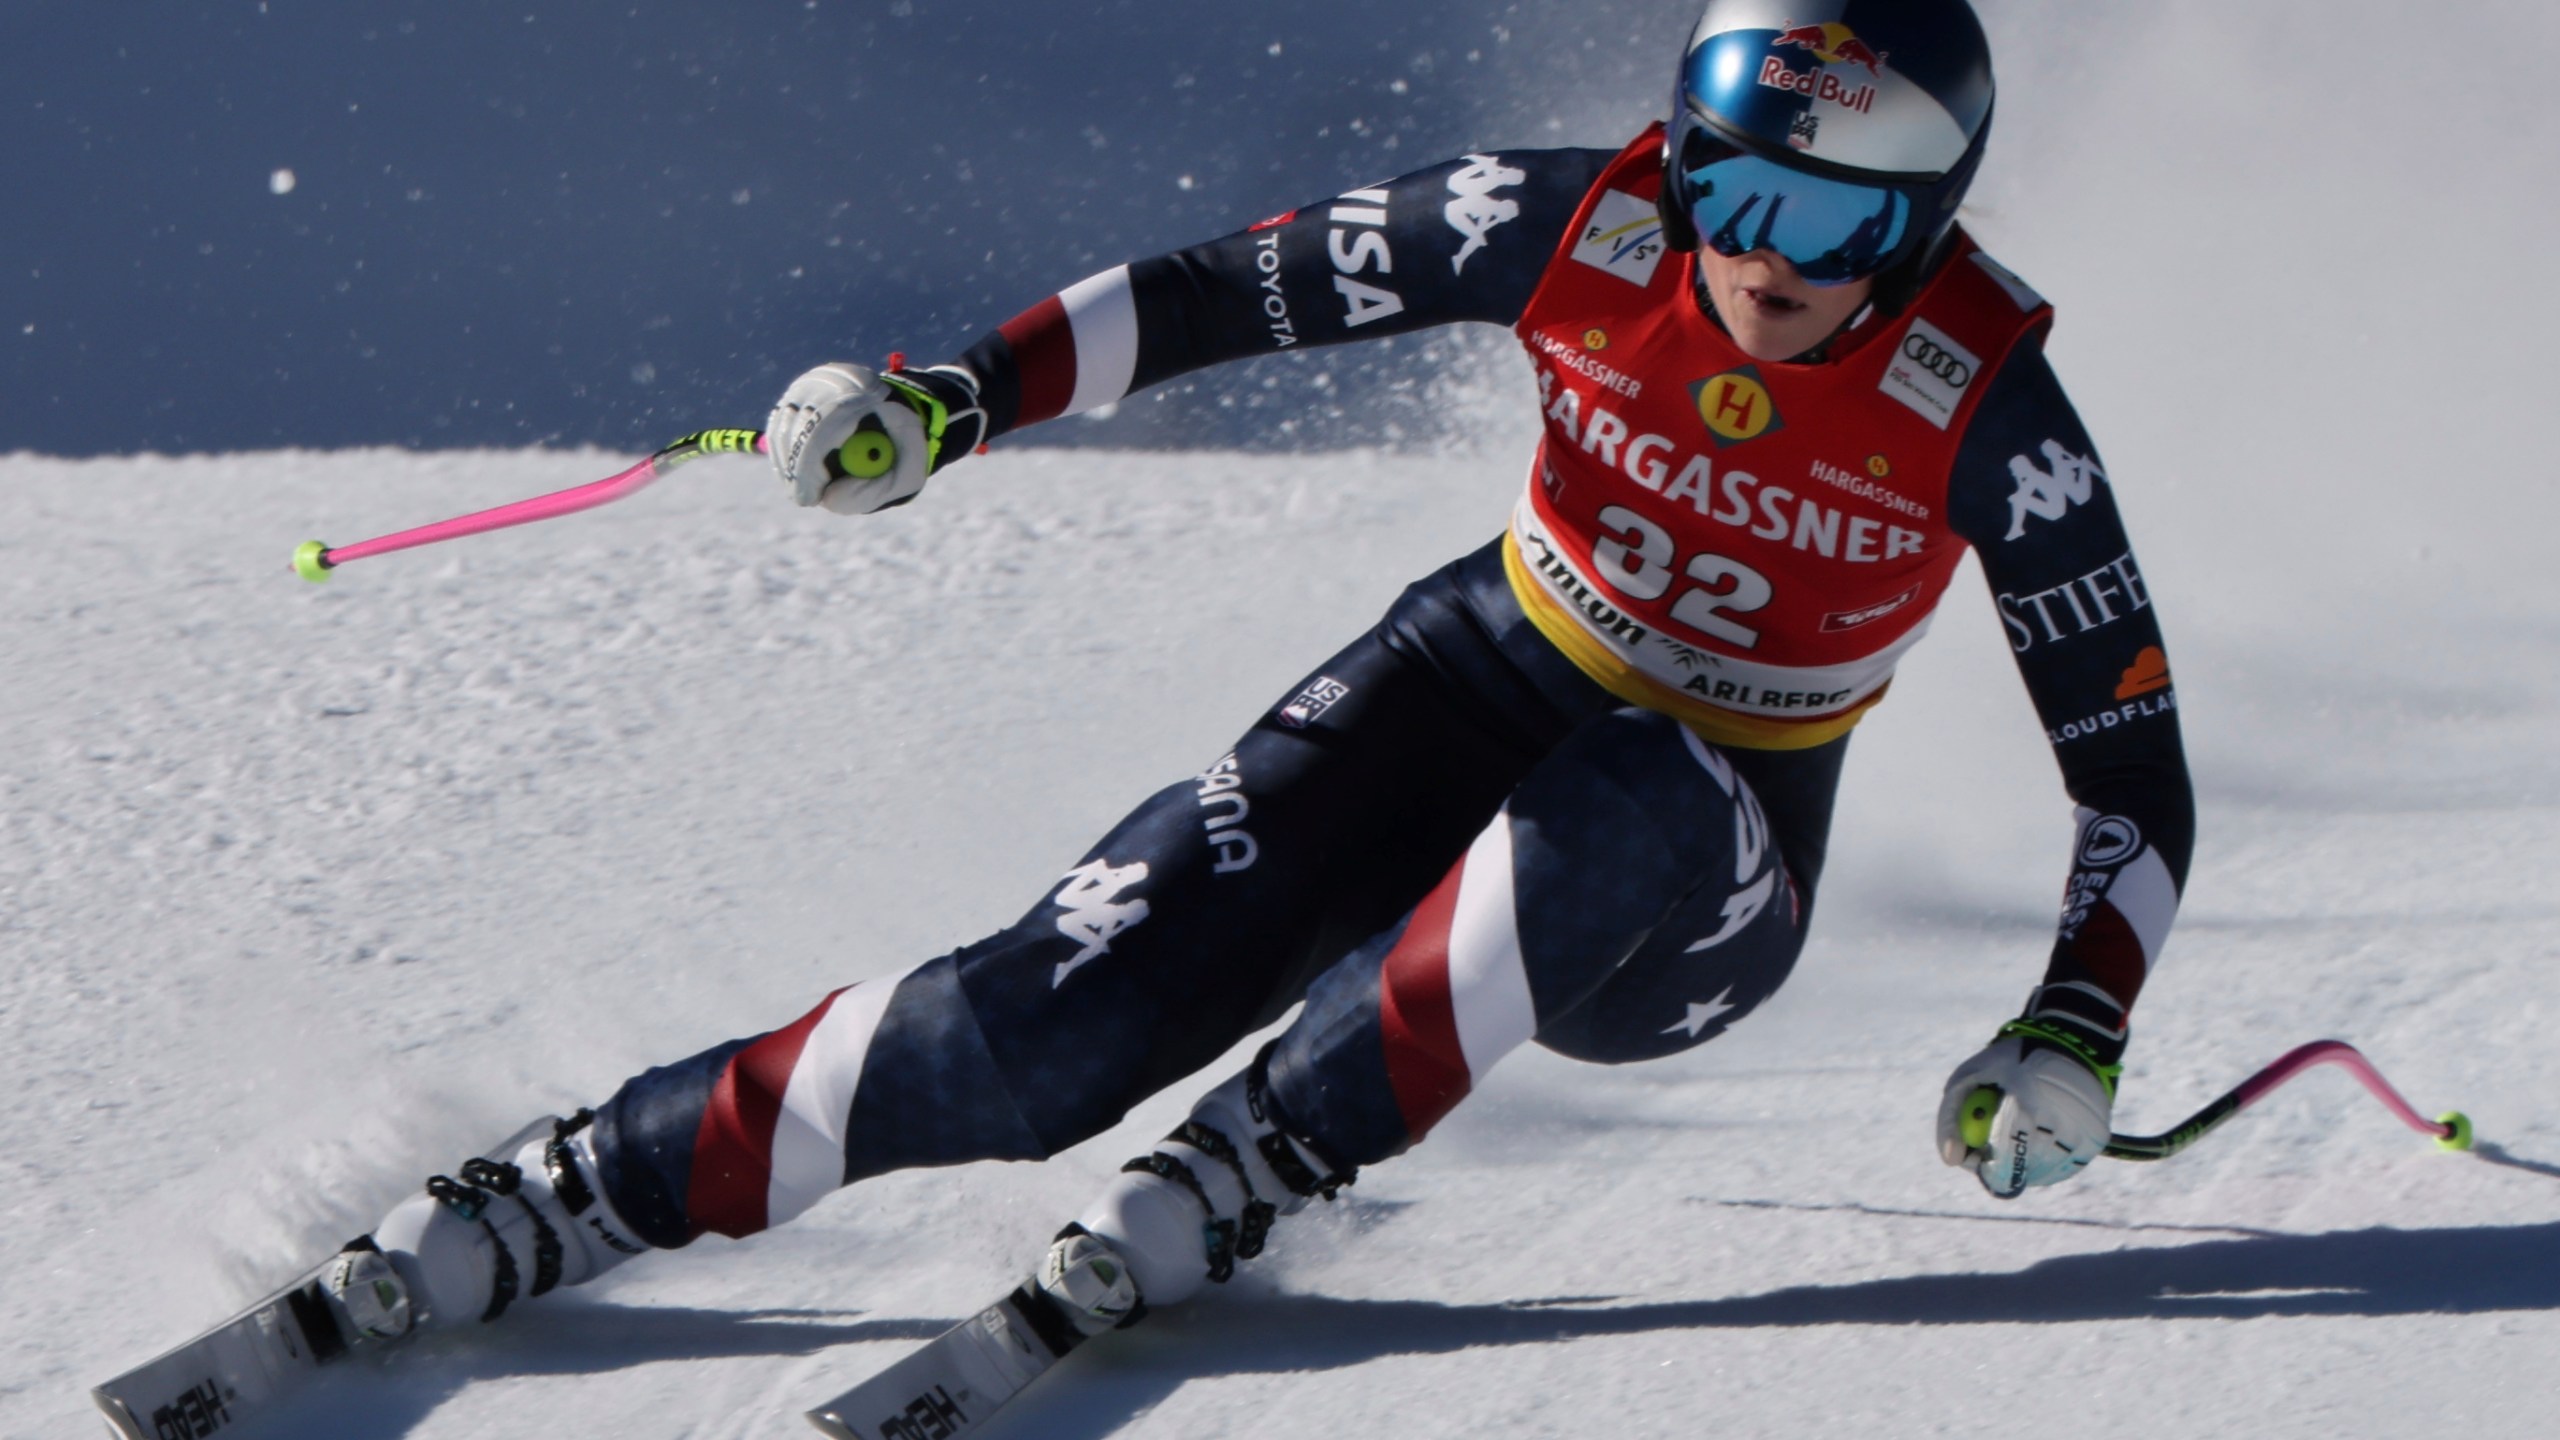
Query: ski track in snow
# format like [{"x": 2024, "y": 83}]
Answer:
[{"x": 307, "y": 892}]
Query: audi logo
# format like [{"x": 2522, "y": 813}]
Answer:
[{"x": 1924, "y": 352}]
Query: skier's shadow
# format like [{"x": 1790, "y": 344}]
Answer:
[{"x": 2376, "y": 1272}]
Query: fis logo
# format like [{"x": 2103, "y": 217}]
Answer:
[
  {"x": 1832, "y": 44},
  {"x": 1623, "y": 236}
]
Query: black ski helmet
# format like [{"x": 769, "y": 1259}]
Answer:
[{"x": 1841, "y": 133}]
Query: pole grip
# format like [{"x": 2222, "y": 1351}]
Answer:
[{"x": 1974, "y": 1121}]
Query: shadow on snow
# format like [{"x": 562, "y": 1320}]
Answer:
[{"x": 2376, "y": 1272}]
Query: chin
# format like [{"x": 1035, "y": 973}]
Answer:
[{"x": 1763, "y": 344}]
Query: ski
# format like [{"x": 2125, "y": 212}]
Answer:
[
  {"x": 235, "y": 1372},
  {"x": 952, "y": 1384}
]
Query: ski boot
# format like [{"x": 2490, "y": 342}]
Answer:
[
  {"x": 1182, "y": 1215},
  {"x": 516, "y": 1224}
]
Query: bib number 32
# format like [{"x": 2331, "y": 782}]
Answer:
[{"x": 1638, "y": 563}]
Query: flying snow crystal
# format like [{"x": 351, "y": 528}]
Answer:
[{"x": 281, "y": 182}]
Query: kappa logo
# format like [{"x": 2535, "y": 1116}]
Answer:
[
  {"x": 1736, "y": 406},
  {"x": 2149, "y": 672},
  {"x": 1095, "y": 912},
  {"x": 1623, "y": 236},
  {"x": 1930, "y": 373},
  {"x": 1476, "y": 210},
  {"x": 2050, "y": 494}
]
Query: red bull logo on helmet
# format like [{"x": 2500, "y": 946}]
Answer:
[
  {"x": 1832, "y": 44},
  {"x": 1820, "y": 84}
]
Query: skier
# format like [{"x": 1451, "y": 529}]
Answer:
[{"x": 1575, "y": 787}]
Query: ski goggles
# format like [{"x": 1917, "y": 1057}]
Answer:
[{"x": 1831, "y": 231}]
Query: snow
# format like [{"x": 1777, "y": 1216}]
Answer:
[{"x": 305, "y": 892}]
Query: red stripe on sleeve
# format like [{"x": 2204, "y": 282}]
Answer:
[
  {"x": 733, "y": 1149},
  {"x": 1416, "y": 1017},
  {"x": 2111, "y": 953},
  {"x": 1044, "y": 357}
]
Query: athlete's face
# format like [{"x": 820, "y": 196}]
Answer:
[{"x": 1772, "y": 313}]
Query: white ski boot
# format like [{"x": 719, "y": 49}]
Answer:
[
  {"x": 469, "y": 1247},
  {"x": 1184, "y": 1214}
]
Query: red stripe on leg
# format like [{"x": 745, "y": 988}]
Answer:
[
  {"x": 1044, "y": 360},
  {"x": 733, "y": 1149},
  {"x": 1417, "y": 1019}
]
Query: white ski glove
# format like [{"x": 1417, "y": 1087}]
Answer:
[
  {"x": 2052, "y": 1119},
  {"x": 891, "y": 453}
]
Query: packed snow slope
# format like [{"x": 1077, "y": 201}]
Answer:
[{"x": 307, "y": 892}]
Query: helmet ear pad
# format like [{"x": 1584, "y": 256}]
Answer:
[{"x": 1678, "y": 230}]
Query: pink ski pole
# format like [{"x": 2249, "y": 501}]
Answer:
[
  {"x": 868, "y": 454},
  {"x": 2452, "y": 1129}
]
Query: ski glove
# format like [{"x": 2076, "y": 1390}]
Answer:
[
  {"x": 2054, "y": 1069},
  {"x": 885, "y": 417},
  {"x": 2052, "y": 1119}
]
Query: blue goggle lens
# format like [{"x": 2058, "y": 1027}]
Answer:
[{"x": 1831, "y": 231}]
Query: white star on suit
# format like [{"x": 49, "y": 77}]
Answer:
[{"x": 1701, "y": 1016}]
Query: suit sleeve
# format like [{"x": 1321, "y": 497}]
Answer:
[
  {"x": 1467, "y": 239},
  {"x": 2031, "y": 496}
]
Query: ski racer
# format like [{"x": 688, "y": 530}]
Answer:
[{"x": 1575, "y": 787}]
